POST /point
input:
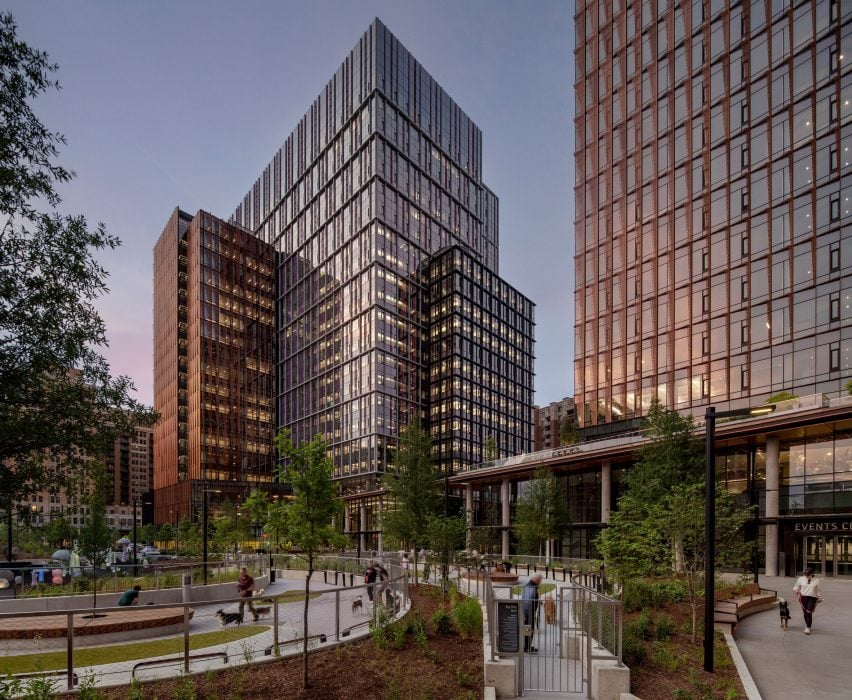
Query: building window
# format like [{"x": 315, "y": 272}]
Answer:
[
  {"x": 834, "y": 307},
  {"x": 705, "y": 302},
  {"x": 744, "y": 290},
  {"x": 744, "y": 247},
  {"x": 834, "y": 207},
  {"x": 705, "y": 344},
  {"x": 744, "y": 156},
  {"x": 744, "y": 333},
  {"x": 834, "y": 357},
  {"x": 832, "y": 59},
  {"x": 833, "y": 160},
  {"x": 705, "y": 260},
  {"x": 833, "y": 111},
  {"x": 705, "y": 387},
  {"x": 834, "y": 257},
  {"x": 744, "y": 200}
]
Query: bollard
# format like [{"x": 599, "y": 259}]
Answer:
[
  {"x": 187, "y": 588},
  {"x": 325, "y": 577}
]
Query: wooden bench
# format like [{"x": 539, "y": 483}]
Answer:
[{"x": 753, "y": 599}]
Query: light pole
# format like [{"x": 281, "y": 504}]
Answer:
[
  {"x": 9, "y": 517},
  {"x": 204, "y": 493},
  {"x": 710, "y": 518},
  {"x": 135, "y": 544}
]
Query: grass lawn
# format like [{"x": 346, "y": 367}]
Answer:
[{"x": 93, "y": 656}]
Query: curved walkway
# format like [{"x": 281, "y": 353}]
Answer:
[
  {"x": 353, "y": 624},
  {"x": 792, "y": 665}
]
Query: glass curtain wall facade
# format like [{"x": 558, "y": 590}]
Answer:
[
  {"x": 713, "y": 203},
  {"x": 382, "y": 172},
  {"x": 480, "y": 362},
  {"x": 214, "y": 386}
]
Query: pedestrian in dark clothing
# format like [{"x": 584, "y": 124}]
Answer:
[
  {"x": 245, "y": 587},
  {"x": 130, "y": 597},
  {"x": 530, "y": 598},
  {"x": 370, "y": 580}
]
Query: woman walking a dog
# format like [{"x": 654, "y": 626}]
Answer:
[{"x": 808, "y": 593}]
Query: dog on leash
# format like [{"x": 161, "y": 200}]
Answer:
[
  {"x": 357, "y": 605},
  {"x": 259, "y": 593},
  {"x": 549, "y": 610},
  {"x": 784, "y": 612},
  {"x": 226, "y": 618}
]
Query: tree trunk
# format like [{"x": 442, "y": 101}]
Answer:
[{"x": 305, "y": 625}]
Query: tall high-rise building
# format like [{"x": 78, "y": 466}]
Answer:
[
  {"x": 388, "y": 286},
  {"x": 130, "y": 465},
  {"x": 713, "y": 203},
  {"x": 213, "y": 364}
]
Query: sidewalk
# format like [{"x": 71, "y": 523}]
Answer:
[{"x": 792, "y": 665}]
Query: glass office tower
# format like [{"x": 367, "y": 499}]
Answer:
[
  {"x": 213, "y": 364},
  {"x": 713, "y": 216},
  {"x": 383, "y": 171}
]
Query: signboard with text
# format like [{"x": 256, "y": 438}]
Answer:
[{"x": 508, "y": 626}]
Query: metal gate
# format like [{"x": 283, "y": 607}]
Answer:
[
  {"x": 573, "y": 626},
  {"x": 552, "y": 637}
]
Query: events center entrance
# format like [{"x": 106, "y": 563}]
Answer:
[{"x": 827, "y": 555}]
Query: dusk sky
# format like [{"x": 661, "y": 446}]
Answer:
[{"x": 183, "y": 103}]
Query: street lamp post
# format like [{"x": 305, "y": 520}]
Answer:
[
  {"x": 710, "y": 517},
  {"x": 135, "y": 544},
  {"x": 204, "y": 492}
]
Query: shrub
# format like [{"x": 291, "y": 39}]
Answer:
[
  {"x": 640, "y": 594},
  {"x": 640, "y": 628},
  {"x": 441, "y": 620},
  {"x": 633, "y": 650},
  {"x": 467, "y": 615},
  {"x": 663, "y": 627},
  {"x": 464, "y": 677}
]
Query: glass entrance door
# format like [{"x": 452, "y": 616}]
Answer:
[
  {"x": 814, "y": 555},
  {"x": 843, "y": 554}
]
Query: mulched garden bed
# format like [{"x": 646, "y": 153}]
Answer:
[
  {"x": 673, "y": 665},
  {"x": 447, "y": 666}
]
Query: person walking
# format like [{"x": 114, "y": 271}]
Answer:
[
  {"x": 530, "y": 598},
  {"x": 245, "y": 588},
  {"x": 808, "y": 593}
]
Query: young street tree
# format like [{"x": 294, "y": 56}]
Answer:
[
  {"x": 541, "y": 515},
  {"x": 411, "y": 489},
  {"x": 658, "y": 527},
  {"x": 309, "y": 470},
  {"x": 96, "y": 536},
  {"x": 58, "y": 400}
]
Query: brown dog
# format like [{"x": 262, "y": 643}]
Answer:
[{"x": 549, "y": 610}]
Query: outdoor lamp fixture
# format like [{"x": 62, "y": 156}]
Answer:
[
  {"x": 204, "y": 493},
  {"x": 710, "y": 517}
]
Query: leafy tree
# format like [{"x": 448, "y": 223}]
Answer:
[
  {"x": 189, "y": 535},
  {"x": 59, "y": 531},
  {"x": 542, "y": 512},
  {"x": 276, "y": 522},
  {"x": 567, "y": 432},
  {"x": 783, "y": 396},
  {"x": 849, "y": 387},
  {"x": 96, "y": 536},
  {"x": 446, "y": 535},
  {"x": 230, "y": 528},
  {"x": 672, "y": 456},
  {"x": 166, "y": 534},
  {"x": 309, "y": 470},
  {"x": 51, "y": 417},
  {"x": 490, "y": 449},
  {"x": 148, "y": 533},
  {"x": 412, "y": 490}
]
